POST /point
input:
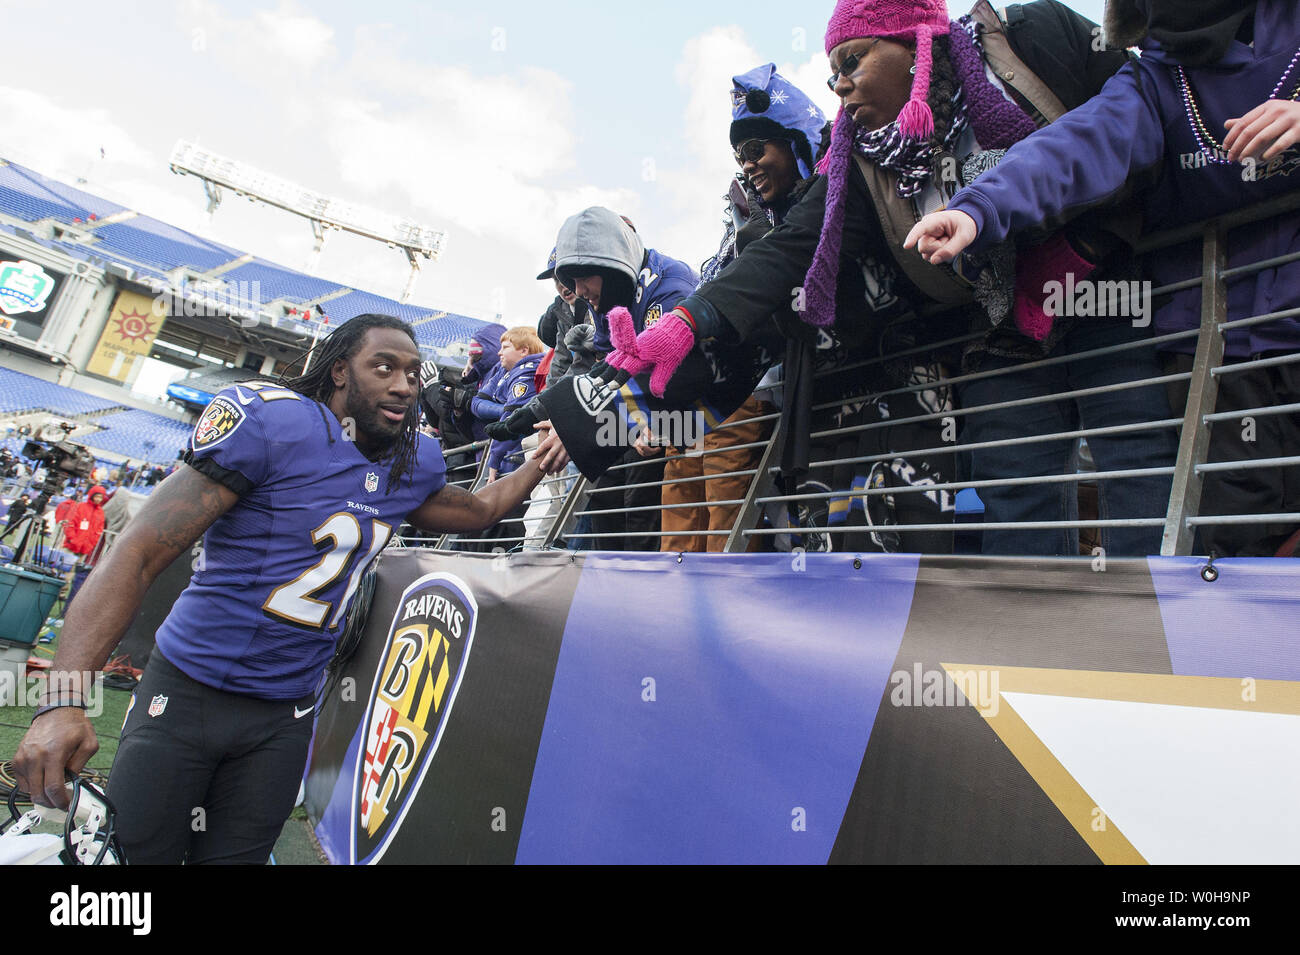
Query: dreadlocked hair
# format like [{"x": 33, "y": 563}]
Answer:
[{"x": 317, "y": 383}]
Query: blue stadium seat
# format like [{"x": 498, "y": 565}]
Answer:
[
  {"x": 155, "y": 243},
  {"x": 19, "y": 392},
  {"x": 26, "y": 194},
  {"x": 275, "y": 282},
  {"x": 153, "y": 248},
  {"x": 446, "y": 330},
  {"x": 349, "y": 306},
  {"x": 140, "y": 435}
]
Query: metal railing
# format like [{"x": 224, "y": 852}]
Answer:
[{"x": 1186, "y": 471}]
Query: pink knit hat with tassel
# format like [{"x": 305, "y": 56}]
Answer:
[{"x": 916, "y": 20}]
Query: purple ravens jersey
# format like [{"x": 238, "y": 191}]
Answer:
[
  {"x": 661, "y": 284},
  {"x": 277, "y": 572}
]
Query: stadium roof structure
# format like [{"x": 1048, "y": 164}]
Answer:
[{"x": 146, "y": 250}]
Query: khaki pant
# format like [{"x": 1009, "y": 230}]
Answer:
[{"x": 684, "y": 522}]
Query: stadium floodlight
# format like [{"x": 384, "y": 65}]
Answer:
[{"x": 325, "y": 213}]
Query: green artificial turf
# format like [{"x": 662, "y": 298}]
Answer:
[
  {"x": 296, "y": 845},
  {"x": 106, "y": 717}
]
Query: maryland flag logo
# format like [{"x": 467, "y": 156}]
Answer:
[
  {"x": 520, "y": 389},
  {"x": 422, "y": 665},
  {"x": 652, "y": 315},
  {"x": 219, "y": 421}
]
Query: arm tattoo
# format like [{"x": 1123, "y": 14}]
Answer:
[
  {"x": 453, "y": 496},
  {"x": 183, "y": 508},
  {"x": 175, "y": 516},
  {"x": 450, "y": 509}
]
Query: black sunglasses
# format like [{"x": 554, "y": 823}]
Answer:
[
  {"x": 751, "y": 150},
  {"x": 849, "y": 65}
]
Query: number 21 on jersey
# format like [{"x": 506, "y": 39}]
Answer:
[{"x": 296, "y": 600}]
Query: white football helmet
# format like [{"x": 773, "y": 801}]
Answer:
[{"x": 88, "y": 837}]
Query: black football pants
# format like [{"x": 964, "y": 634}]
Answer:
[{"x": 210, "y": 777}]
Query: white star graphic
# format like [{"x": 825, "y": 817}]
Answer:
[
  {"x": 813, "y": 111},
  {"x": 778, "y": 96}
]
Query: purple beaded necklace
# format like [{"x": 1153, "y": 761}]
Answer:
[{"x": 1204, "y": 139}]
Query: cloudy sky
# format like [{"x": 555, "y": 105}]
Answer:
[{"x": 492, "y": 121}]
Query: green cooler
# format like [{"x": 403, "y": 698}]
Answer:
[{"x": 25, "y": 601}]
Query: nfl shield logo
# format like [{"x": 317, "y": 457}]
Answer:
[
  {"x": 372, "y": 481},
  {"x": 157, "y": 705}
]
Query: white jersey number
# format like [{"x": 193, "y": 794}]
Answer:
[{"x": 295, "y": 601}]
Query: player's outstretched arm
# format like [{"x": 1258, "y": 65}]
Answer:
[
  {"x": 176, "y": 515},
  {"x": 453, "y": 510}
]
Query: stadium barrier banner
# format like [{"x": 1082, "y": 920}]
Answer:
[
  {"x": 809, "y": 708},
  {"x": 129, "y": 334}
]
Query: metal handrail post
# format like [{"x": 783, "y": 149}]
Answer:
[
  {"x": 446, "y": 540},
  {"x": 759, "y": 485},
  {"x": 1194, "y": 440},
  {"x": 574, "y": 501}
]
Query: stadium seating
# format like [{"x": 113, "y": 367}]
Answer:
[
  {"x": 154, "y": 248},
  {"x": 155, "y": 243},
  {"x": 13, "y": 445},
  {"x": 79, "y": 252},
  {"x": 363, "y": 303},
  {"x": 446, "y": 330},
  {"x": 19, "y": 392},
  {"x": 29, "y": 195},
  {"x": 437, "y": 332},
  {"x": 276, "y": 283},
  {"x": 140, "y": 435}
]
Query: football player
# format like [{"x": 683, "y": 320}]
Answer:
[{"x": 295, "y": 488}]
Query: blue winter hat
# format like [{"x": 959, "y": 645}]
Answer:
[{"x": 765, "y": 105}]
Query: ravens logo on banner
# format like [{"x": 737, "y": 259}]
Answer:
[
  {"x": 219, "y": 421},
  {"x": 420, "y": 672}
]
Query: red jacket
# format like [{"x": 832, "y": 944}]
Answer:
[
  {"x": 539, "y": 379},
  {"x": 86, "y": 523},
  {"x": 61, "y": 512}
]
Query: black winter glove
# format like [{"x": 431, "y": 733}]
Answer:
[
  {"x": 519, "y": 423},
  {"x": 461, "y": 399}
]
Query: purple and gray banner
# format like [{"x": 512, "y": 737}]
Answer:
[{"x": 812, "y": 708}]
